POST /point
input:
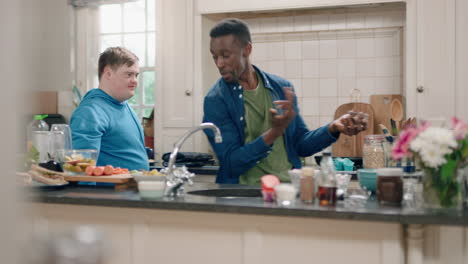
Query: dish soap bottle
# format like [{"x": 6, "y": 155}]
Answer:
[{"x": 326, "y": 193}]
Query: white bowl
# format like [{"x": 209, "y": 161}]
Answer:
[
  {"x": 138, "y": 176},
  {"x": 151, "y": 189}
]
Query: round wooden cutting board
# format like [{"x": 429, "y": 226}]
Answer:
[{"x": 347, "y": 146}]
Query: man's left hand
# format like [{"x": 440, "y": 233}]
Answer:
[{"x": 349, "y": 124}]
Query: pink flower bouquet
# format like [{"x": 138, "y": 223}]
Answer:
[{"x": 440, "y": 152}]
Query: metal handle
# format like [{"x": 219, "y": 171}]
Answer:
[
  {"x": 188, "y": 92},
  {"x": 420, "y": 89}
]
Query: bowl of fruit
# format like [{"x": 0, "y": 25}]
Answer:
[
  {"x": 76, "y": 161},
  {"x": 152, "y": 175}
]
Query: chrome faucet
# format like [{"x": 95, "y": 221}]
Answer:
[{"x": 176, "y": 177}]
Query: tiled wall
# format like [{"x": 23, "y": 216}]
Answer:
[{"x": 327, "y": 55}]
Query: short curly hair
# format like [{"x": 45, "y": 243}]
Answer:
[
  {"x": 115, "y": 57},
  {"x": 232, "y": 26}
]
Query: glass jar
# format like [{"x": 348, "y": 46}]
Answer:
[
  {"x": 390, "y": 185},
  {"x": 373, "y": 152}
]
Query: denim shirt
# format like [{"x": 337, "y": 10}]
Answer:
[{"x": 224, "y": 106}]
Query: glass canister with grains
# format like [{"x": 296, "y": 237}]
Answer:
[{"x": 373, "y": 152}]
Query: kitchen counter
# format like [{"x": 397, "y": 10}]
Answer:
[
  {"x": 248, "y": 230},
  {"x": 371, "y": 211}
]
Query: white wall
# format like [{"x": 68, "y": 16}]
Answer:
[
  {"x": 461, "y": 80},
  {"x": 47, "y": 36}
]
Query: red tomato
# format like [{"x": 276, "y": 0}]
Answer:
[
  {"x": 89, "y": 170},
  {"x": 98, "y": 171},
  {"x": 109, "y": 170}
]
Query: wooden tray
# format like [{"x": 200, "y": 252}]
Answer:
[{"x": 119, "y": 178}]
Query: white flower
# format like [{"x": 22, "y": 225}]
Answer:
[{"x": 433, "y": 144}]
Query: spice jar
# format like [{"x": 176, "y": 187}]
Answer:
[
  {"x": 373, "y": 153},
  {"x": 307, "y": 185},
  {"x": 390, "y": 185}
]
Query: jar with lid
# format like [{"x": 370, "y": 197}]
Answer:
[
  {"x": 390, "y": 185},
  {"x": 373, "y": 152},
  {"x": 307, "y": 185}
]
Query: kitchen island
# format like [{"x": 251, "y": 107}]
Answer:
[{"x": 247, "y": 230}]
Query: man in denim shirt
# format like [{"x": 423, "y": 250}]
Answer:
[{"x": 257, "y": 114}]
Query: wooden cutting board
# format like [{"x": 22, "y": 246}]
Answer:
[
  {"x": 119, "y": 178},
  {"x": 347, "y": 146},
  {"x": 382, "y": 109}
]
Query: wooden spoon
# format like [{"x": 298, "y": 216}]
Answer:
[{"x": 396, "y": 108}]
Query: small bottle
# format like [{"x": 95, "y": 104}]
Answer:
[
  {"x": 307, "y": 185},
  {"x": 38, "y": 138},
  {"x": 37, "y": 124},
  {"x": 327, "y": 184}
]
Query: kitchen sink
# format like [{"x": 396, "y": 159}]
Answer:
[{"x": 228, "y": 192}]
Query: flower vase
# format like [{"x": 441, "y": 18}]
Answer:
[{"x": 439, "y": 193}]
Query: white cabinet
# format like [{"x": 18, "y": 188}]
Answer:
[
  {"x": 141, "y": 236},
  {"x": 436, "y": 64}
]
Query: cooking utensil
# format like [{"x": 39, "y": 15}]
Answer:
[
  {"x": 382, "y": 109},
  {"x": 394, "y": 127},
  {"x": 397, "y": 112},
  {"x": 388, "y": 137}
]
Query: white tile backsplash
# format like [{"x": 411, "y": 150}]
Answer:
[
  {"x": 293, "y": 69},
  {"x": 260, "y": 51},
  {"x": 310, "y": 68},
  {"x": 346, "y": 68},
  {"x": 366, "y": 86},
  {"x": 346, "y": 48},
  {"x": 328, "y": 105},
  {"x": 383, "y": 47},
  {"x": 297, "y": 84},
  {"x": 292, "y": 50},
  {"x": 365, "y": 67},
  {"x": 346, "y": 85},
  {"x": 384, "y": 85},
  {"x": 310, "y": 106},
  {"x": 384, "y": 67},
  {"x": 365, "y": 48},
  {"x": 328, "y": 87},
  {"x": 327, "y": 49},
  {"x": 310, "y": 49},
  {"x": 310, "y": 88},
  {"x": 277, "y": 67},
  {"x": 327, "y": 68},
  {"x": 275, "y": 50},
  {"x": 327, "y": 55}
]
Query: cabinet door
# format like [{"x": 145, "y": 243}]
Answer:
[{"x": 435, "y": 51}]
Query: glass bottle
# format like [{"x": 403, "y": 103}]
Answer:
[
  {"x": 373, "y": 152},
  {"x": 327, "y": 184}
]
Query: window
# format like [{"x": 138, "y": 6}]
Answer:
[{"x": 133, "y": 26}]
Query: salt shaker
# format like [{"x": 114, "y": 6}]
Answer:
[{"x": 307, "y": 185}]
